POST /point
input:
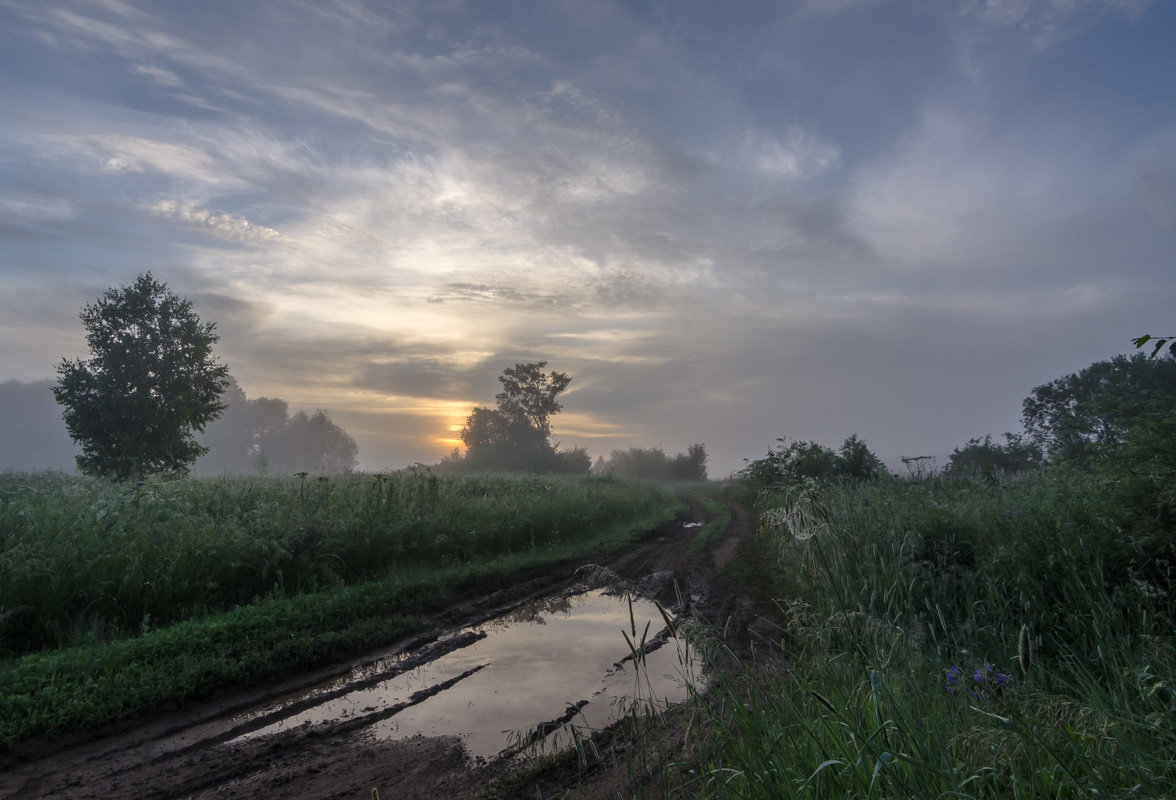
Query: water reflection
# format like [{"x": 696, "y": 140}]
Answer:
[{"x": 558, "y": 663}]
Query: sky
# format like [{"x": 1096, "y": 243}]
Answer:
[{"x": 728, "y": 222}]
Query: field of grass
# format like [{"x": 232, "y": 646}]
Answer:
[
  {"x": 117, "y": 598},
  {"x": 976, "y": 639}
]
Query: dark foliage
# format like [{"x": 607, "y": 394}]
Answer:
[
  {"x": 1076, "y": 417},
  {"x": 794, "y": 461},
  {"x": 515, "y": 436},
  {"x": 986, "y": 457},
  {"x": 151, "y": 384}
]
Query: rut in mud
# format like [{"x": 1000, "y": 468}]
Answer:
[{"x": 427, "y": 719}]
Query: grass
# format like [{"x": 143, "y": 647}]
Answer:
[
  {"x": 197, "y": 585},
  {"x": 84, "y": 561},
  {"x": 954, "y": 639}
]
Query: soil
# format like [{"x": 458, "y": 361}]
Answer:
[{"x": 197, "y": 751}]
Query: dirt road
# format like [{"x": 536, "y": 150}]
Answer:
[{"x": 315, "y": 736}]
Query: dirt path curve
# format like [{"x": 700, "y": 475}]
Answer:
[{"x": 198, "y": 752}]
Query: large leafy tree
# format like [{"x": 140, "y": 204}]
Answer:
[
  {"x": 516, "y": 434},
  {"x": 1077, "y": 416},
  {"x": 527, "y": 399},
  {"x": 151, "y": 383}
]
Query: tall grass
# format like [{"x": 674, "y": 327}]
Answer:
[
  {"x": 83, "y": 560},
  {"x": 957, "y": 639}
]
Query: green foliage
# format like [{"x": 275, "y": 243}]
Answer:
[
  {"x": 167, "y": 592},
  {"x": 652, "y": 464},
  {"x": 955, "y": 638},
  {"x": 85, "y": 560},
  {"x": 151, "y": 384},
  {"x": 856, "y": 460},
  {"x": 515, "y": 435},
  {"x": 1160, "y": 342},
  {"x": 91, "y": 684},
  {"x": 795, "y": 461},
  {"x": 985, "y": 457},
  {"x": 1076, "y": 417}
]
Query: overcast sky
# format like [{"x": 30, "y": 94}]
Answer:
[{"x": 729, "y": 222}]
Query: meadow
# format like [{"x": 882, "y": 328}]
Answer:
[
  {"x": 115, "y": 598},
  {"x": 993, "y": 638}
]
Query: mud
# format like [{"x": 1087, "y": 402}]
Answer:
[{"x": 447, "y": 715}]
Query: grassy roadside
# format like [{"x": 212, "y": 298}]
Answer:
[
  {"x": 951, "y": 638},
  {"x": 86, "y": 685}
]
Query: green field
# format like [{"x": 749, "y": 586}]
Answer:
[
  {"x": 955, "y": 638},
  {"x": 115, "y": 598}
]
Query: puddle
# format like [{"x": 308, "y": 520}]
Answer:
[{"x": 549, "y": 666}]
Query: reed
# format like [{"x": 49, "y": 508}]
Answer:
[{"x": 904, "y": 607}]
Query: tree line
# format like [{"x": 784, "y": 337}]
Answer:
[{"x": 1120, "y": 413}]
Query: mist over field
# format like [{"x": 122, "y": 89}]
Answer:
[{"x": 726, "y": 224}]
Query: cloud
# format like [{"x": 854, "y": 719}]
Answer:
[
  {"x": 118, "y": 153},
  {"x": 220, "y": 225},
  {"x": 798, "y": 155},
  {"x": 1045, "y": 23},
  {"x": 163, "y": 77}
]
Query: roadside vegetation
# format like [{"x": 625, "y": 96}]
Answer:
[
  {"x": 116, "y": 597},
  {"x": 1004, "y": 629}
]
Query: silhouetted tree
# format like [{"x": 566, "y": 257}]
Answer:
[
  {"x": 527, "y": 398},
  {"x": 856, "y": 460},
  {"x": 790, "y": 462},
  {"x": 515, "y": 435},
  {"x": 1074, "y": 417},
  {"x": 151, "y": 384}
]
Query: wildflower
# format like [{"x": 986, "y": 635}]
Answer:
[{"x": 953, "y": 679}]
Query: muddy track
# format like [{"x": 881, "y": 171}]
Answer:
[{"x": 207, "y": 750}]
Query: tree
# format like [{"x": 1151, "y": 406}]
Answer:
[
  {"x": 986, "y": 457},
  {"x": 1160, "y": 342},
  {"x": 515, "y": 435},
  {"x": 856, "y": 460},
  {"x": 1075, "y": 417},
  {"x": 689, "y": 466},
  {"x": 151, "y": 384},
  {"x": 527, "y": 399},
  {"x": 653, "y": 464},
  {"x": 308, "y": 443},
  {"x": 260, "y": 436},
  {"x": 790, "y": 462}
]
